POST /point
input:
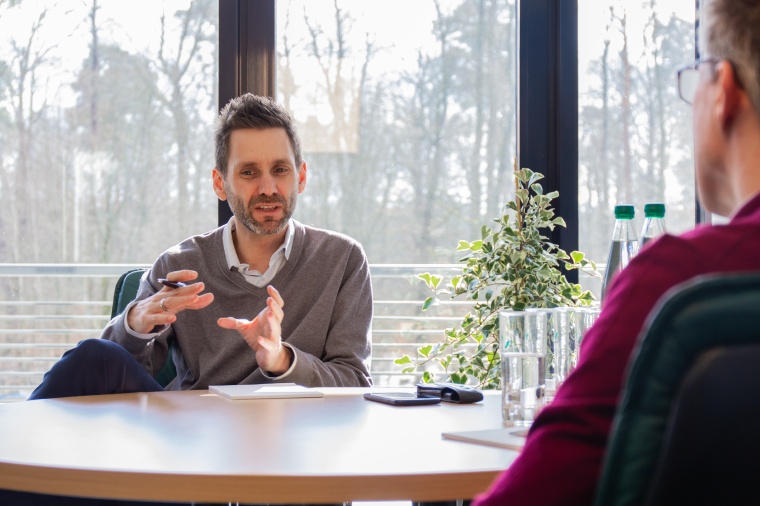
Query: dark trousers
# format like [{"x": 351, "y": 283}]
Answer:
[{"x": 95, "y": 367}]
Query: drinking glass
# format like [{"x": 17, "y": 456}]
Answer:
[
  {"x": 558, "y": 348},
  {"x": 584, "y": 318},
  {"x": 522, "y": 338}
]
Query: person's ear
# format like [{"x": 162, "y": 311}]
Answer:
[
  {"x": 219, "y": 184},
  {"x": 302, "y": 178},
  {"x": 731, "y": 94}
]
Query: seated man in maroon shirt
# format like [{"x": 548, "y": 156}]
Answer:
[{"x": 563, "y": 455}]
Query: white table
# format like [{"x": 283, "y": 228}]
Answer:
[{"x": 197, "y": 446}]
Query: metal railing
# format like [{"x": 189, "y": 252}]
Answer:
[{"x": 40, "y": 318}]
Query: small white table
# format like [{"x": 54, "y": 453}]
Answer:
[{"x": 197, "y": 446}]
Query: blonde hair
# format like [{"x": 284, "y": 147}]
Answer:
[{"x": 734, "y": 34}]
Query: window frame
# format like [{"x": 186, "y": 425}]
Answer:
[
  {"x": 547, "y": 90},
  {"x": 247, "y": 56}
]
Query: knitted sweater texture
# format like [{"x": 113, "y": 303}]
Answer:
[{"x": 325, "y": 285}]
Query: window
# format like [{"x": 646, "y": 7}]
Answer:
[
  {"x": 106, "y": 114},
  {"x": 106, "y": 149},
  {"x": 635, "y": 135},
  {"x": 407, "y": 114}
]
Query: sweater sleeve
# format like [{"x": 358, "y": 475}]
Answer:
[
  {"x": 151, "y": 353},
  {"x": 562, "y": 458},
  {"x": 345, "y": 360}
]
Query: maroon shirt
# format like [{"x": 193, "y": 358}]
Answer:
[{"x": 563, "y": 455}]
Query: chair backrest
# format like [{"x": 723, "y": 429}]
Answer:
[
  {"x": 715, "y": 311},
  {"x": 710, "y": 453},
  {"x": 126, "y": 290},
  {"x": 124, "y": 293}
]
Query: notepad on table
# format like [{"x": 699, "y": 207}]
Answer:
[
  {"x": 271, "y": 391},
  {"x": 511, "y": 438}
]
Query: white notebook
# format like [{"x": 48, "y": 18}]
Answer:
[
  {"x": 511, "y": 438},
  {"x": 271, "y": 391}
]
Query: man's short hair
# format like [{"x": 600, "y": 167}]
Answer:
[
  {"x": 734, "y": 34},
  {"x": 252, "y": 111}
]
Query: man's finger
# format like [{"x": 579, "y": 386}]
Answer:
[
  {"x": 275, "y": 309},
  {"x": 272, "y": 291},
  {"x": 183, "y": 275},
  {"x": 233, "y": 323}
]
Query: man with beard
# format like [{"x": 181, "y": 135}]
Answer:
[{"x": 240, "y": 329}]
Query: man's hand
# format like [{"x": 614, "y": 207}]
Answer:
[
  {"x": 263, "y": 334},
  {"x": 161, "y": 307}
]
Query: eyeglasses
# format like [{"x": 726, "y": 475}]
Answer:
[{"x": 688, "y": 79}]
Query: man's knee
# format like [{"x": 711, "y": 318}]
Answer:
[
  {"x": 93, "y": 349},
  {"x": 94, "y": 366}
]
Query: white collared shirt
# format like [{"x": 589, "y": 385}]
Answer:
[{"x": 276, "y": 262}]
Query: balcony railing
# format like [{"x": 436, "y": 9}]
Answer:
[{"x": 46, "y": 309}]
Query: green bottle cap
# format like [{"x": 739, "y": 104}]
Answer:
[
  {"x": 624, "y": 212},
  {"x": 654, "y": 211}
]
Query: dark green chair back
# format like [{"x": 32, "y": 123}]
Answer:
[
  {"x": 707, "y": 313},
  {"x": 126, "y": 290},
  {"x": 124, "y": 293}
]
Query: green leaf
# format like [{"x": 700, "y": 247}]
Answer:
[
  {"x": 407, "y": 370},
  {"x": 427, "y": 377},
  {"x": 403, "y": 360},
  {"x": 463, "y": 245},
  {"x": 435, "y": 281},
  {"x": 476, "y": 246},
  {"x": 425, "y": 350},
  {"x": 459, "y": 379},
  {"x": 577, "y": 256},
  {"x": 429, "y": 302},
  {"x": 425, "y": 276}
]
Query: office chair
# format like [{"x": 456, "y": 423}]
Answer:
[
  {"x": 684, "y": 430},
  {"x": 124, "y": 293}
]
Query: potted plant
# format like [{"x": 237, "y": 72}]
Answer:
[{"x": 512, "y": 267}]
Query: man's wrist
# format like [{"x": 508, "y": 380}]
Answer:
[
  {"x": 293, "y": 359},
  {"x": 284, "y": 362}
]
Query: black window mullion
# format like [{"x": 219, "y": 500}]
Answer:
[
  {"x": 547, "y": 118},
  {"x": 246, "y": 56}
]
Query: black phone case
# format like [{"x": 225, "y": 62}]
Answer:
[
  {"x": 449, "y": 392},
  {"x": 401, "y": 401}
]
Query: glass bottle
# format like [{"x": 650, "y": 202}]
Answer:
[
  {"x": 624, "y": 244},
  {"x": 654, "y": 223}
]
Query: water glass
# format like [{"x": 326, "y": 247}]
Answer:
[
  {"x": 584, "y": 318},
  {"x": 558, "y": 348},
  {"x": 522, "y": 338}
]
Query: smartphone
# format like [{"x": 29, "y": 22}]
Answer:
[{"x": 401, "y": 399}]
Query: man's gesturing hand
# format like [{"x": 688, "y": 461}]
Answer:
[
  {"x": 264, "y": 333},
  {"x": 161, "y": 307}
]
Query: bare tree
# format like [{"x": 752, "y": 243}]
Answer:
[
  {"x": 26, "y": 60},
  {"x": 177, "y": 66},
  {"x": 625, "y": 194}
]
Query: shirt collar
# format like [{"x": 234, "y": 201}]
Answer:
[{"x": 233, "y": 261}]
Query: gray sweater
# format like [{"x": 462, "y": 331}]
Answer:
[{"x": 328, "y": 313}]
